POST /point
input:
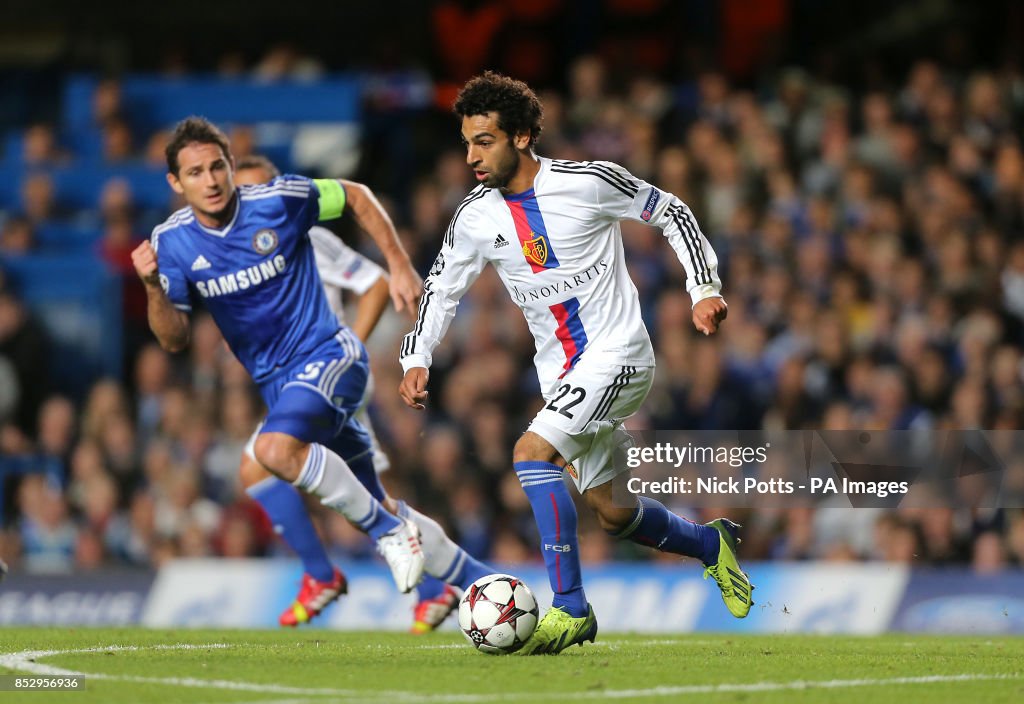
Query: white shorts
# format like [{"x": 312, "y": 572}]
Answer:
[
  {"x": 381, "y": 463},
  {"x": 583, "y": 414}
]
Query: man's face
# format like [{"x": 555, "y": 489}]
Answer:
[
  {"x": 492, "y": 155},
  {"x": 204, "y": 178},
  {"x": 253, "y": 176}
]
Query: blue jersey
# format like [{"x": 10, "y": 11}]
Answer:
[{"x": 257, "y": 276}]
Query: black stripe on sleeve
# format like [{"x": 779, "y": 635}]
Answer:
[
  {"x": 449, "y": 235},
  {"x": 620, "y": 177},
  {"x": 598, "y": 174},
  {"x": 697, "y": 268},
  {"x": 687, "y": 217},
  {"x": 701, "y": 270},
  {"x": 424, "y": 303}
]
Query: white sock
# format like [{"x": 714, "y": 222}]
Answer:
[
  {"x": 327, "y": 476},
  {"x": 438, "y": 549}
]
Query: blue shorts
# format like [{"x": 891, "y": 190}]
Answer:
[{"x": 316, "y": 399}]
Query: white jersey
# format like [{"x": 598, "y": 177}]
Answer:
[
  {"x": 341, "y": 268},
  {"x": 558, "y": 249}
]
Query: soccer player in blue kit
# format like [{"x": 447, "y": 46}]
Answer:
[
  {"x": 245, "y": 251},
  {"x": 342, "y": 270}
]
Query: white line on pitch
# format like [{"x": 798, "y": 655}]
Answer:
[{"x": 24, "y": 661}]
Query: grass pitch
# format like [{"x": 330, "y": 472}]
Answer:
[{"x": 317, "y": 666}]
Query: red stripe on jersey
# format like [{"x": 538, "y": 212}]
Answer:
[
  {"x": 569, "y": 332},
  {"x": 523, "y": 231}
]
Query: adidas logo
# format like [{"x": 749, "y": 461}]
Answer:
[
  {"x": 200, "y": 263},
  {"x": 500, "y": 241}
]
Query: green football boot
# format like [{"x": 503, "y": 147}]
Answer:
[
  {"x": 732, "y": 581},
  {"x": 558, "y": 630}
]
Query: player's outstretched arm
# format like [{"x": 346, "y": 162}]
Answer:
[
  {"x": 168, "y": 323},
  {"x": 625, "y": 197},
  {"x": 370, "y": 307},
  {"x": 406, "y": 285},
  {"x": 413, "y": 388}
]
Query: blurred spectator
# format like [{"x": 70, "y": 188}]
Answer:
[
  {"x": 587, "y": 98},
  {"x": 48, "y": 536},
  {"x": 989, "y": 553},
  {"x": 238, "y": 421},
  {"x": 24, "y": 345},
  {"x": 1015, "y": 540},
  {"x": 283, "y": 61},
  {"x": 132, "y": 538},
  {"x": 116, "y": 200},
  {"x": 243, "y": 141},
  {"x": 38, "y": 202},
  {"x": 231, "y": 64},
  {"x": 154, "y": 155},
  {"x": 16, "y": 237},
  {"x": 118, "y": 142},
  {"x": 106, "y": 400},
  {"x": 899, "y": 541},
  {"x": 89, "y": 551},
  {"x": 152, "y": 377},
  {"x": 106, "y": 101},
  {"x": 56, "y": 431},
  {"x": 39, "y": 146}
]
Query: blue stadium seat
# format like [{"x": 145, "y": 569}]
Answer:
[
  {"x": 79, "y": 302},
  {"x": 13, "y": 147},
  {"x": 79, "y": 186},
  {"x": 71, "y": 236},
  {"x": 152, "y": 103}
]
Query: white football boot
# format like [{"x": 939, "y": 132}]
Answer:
[{"x": 402, "y": 551}]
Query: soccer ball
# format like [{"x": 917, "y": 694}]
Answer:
[{"x": 497, "y": 614}]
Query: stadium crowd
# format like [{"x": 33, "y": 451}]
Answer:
[{"x": 872, "y": 254}]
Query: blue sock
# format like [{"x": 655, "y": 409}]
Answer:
[
  {"x": 555, "y": 514},
  {"x": 657, "y": 527},
  {"x": 465, "y": 570},
  {"x": 429, "y": 588},
  {"x": 288, "y": 514},
  {"x": 362, "y": 467}
]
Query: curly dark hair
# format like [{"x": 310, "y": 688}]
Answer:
[
  {"x": 194, "y": 129},
  {"x": 519, "y": 110}
]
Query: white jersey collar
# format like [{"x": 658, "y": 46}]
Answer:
[{"x": 227, "y": 228}]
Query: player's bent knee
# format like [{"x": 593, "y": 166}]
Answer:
[
  {"x": 280, "y": 454},
  {"x": 251, "y": 472},
  {"x": 533, "y": 448}
]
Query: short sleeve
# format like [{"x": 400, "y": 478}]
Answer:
[{"x": 301, "y": 199}]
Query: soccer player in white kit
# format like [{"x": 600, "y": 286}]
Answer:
[
  {"x": 551, "y": 230},
  {"x": 341, "y": 268}
]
